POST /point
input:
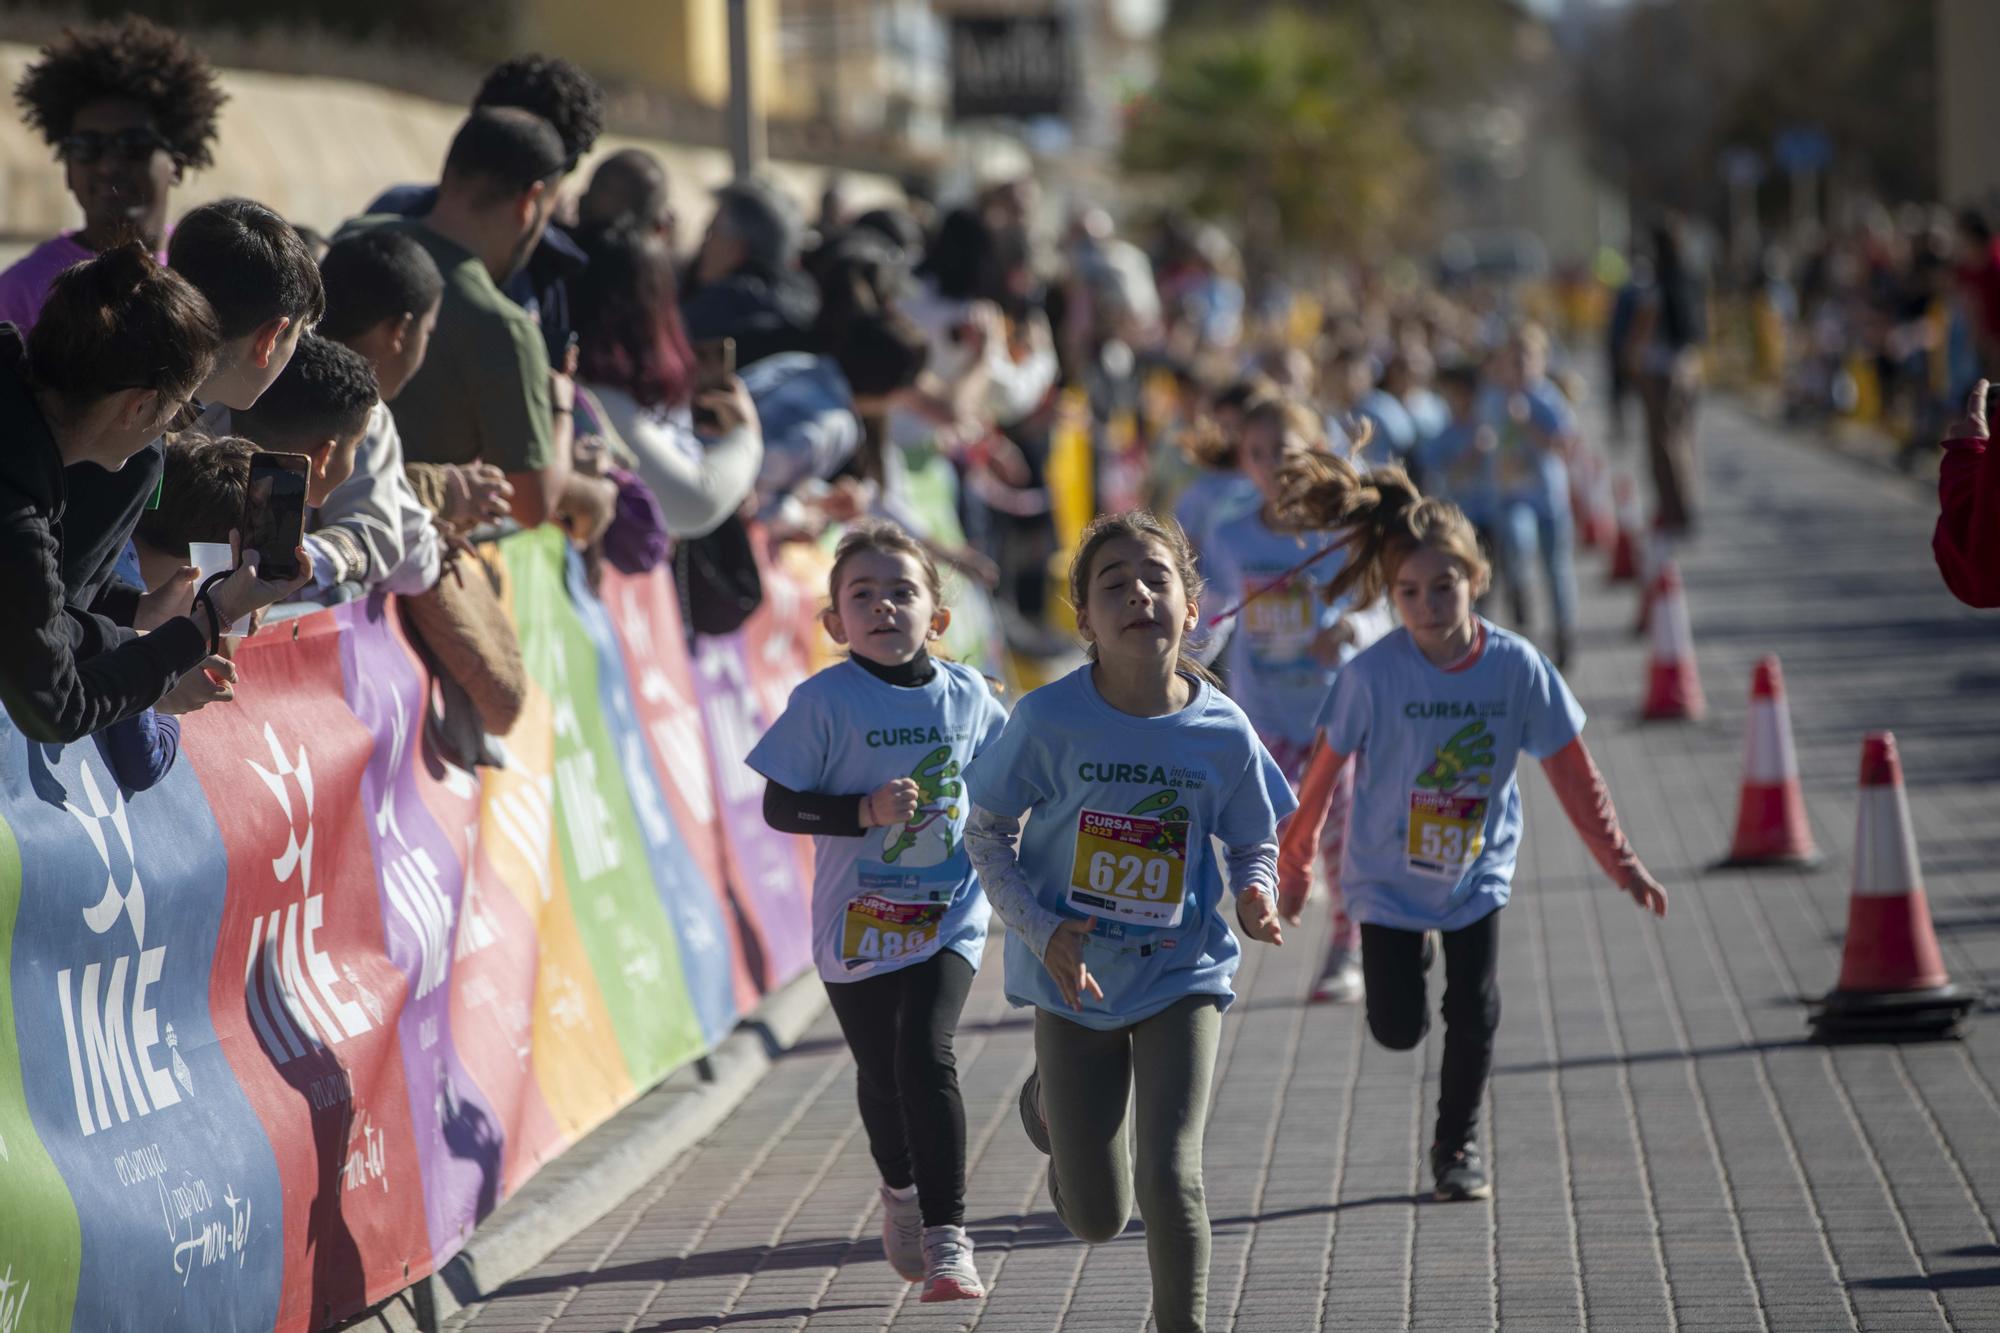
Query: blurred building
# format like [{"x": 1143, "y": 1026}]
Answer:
[
  {"x": 680, "y": 47},
  {"x": 1968, "y": 38}
]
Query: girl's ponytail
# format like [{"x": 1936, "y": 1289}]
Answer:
[{"x": 1384, "y": 515}]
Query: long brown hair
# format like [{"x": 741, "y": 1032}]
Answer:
[
  {"x": 1385, "y": 518},
  {"x": 1140, "y": 525}
]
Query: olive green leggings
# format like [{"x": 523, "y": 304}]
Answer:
[{"x": 1100, "y": 1161}]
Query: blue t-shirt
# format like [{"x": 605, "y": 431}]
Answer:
[
  {"x": 1210, "y": 500},
  {"x": 1123, "y": 809},
  {"x": 1522, "y": 469},
  {"x": 1436, "y": 820},
  {"x": 896, "y": 894},
  {"x": 1456, "y": 469},
  {"x": 1272, "y": 674},
  {"x": 1395, "y": 433}
]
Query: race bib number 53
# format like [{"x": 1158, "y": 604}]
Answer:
[
  {"x": 1447, "y": 833},
  {"x": 1129, "y": 868}
]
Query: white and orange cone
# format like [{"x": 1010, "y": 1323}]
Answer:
[
  {"x": 1630, "y": 535},
  {"x": 1771, "y": 827},
  {"x": 1655, "y": 551},
  {"x": 1892, "y": 977},
  {"x": 1673, "y": 683}
]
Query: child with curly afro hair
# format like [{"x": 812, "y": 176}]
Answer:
[{"x": 128, "y": 107}]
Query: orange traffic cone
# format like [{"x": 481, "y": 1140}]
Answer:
[
  {"x": 1673, "y": 685},
  {"x": 1582, "y": 494},
  {"x": 1625, "y": 544},
  {"x": 1892, "y": 978},
  {"x": 1771, "y": 809},
  {"x": 1603, "y": 517},
  {"x": 1654, "y": 552}
]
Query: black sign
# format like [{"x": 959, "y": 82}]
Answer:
[{"x": 1009, "y": 66}]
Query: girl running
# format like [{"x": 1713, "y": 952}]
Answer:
[
  {"x": 1132, "y": 765},
  {"x": 1435, "y": 717},
  {"x": 867, "y": 758},
  {"x": 1219, "y": 491},
  {"x": 1284, "y": 647}
]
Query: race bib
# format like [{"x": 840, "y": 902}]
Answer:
[
  {"x": 1447, "y": 833},
  {"x": 878, "y": 930},
  {"x": 1281, "y": 623},
  {"x": 1130, "y": 868}
]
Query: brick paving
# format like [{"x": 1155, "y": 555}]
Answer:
[{"x": 1668, "y": 1152}]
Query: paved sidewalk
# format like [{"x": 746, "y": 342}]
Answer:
[{"x": 1667, "y": 1151}]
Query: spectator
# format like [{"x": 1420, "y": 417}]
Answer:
[
  {"x": 263, "y": 290},
  {"x": 1967, "y": 542},
  {"x": 327, "y": 406},
  {"x": 635, "y": 358},
  {"x": 573, "y": 105},
  {"x": 962, "y": 287},
  {"x": 129, "y": 107},
  {"x": 383, "y": 295},
  {"x": 486, "y": 391},
  {"x": 628, "y": 189},
  {"x": 812, "y": 408},
  {"x": 746, "y": 282},
  {"x": 121, "y": 347},
  {"x": 1668, "y": 330}
]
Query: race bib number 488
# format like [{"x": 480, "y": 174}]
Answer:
[
  {"x": 877, "y": 930},
  {"x": 1129, "y": 868}
]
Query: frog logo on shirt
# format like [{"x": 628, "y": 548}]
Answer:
[
  {"x": 927, "y": 839},
  {"x": 1171, "y": 835},
  {"x": 1464, "y": 760}
]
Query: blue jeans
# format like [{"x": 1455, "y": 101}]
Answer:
[{"x": 1529, "y": 529}]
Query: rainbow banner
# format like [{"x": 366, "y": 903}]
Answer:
[{"x": 281, "y": 1030}]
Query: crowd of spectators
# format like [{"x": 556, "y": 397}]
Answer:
[{"x": 524, "y": 341}]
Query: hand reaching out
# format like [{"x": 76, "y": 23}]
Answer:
[
  {"x": 1972, "y": 426},
  {"x": 174, "y": 597},
  {"x": 1646, "y": 891},
  {"x": 1064, "y": 959},
  {"x": 1258, "y": 916}
]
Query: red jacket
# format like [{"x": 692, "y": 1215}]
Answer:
[{"x": 1967, "y": 542}]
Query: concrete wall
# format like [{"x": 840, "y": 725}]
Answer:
[{"x": 318, "y": 150}]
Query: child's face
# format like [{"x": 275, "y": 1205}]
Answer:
[
  {"x": 1433, "y": 593},
  {"x": 885, "y": 611},
  {"x": 332, "y": 464},
  {"x": 1265, "y": 445},
  {"x": 1136, "y": 608}
]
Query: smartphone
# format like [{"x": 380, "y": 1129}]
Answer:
[
  {"x": 714, "y": 367},
  {"x": 274, "y": 513}
]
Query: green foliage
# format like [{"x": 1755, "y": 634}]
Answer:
[{"x": 1288, "y": 119}]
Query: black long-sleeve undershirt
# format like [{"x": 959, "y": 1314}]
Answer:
[{"x": 829, "y": 814}]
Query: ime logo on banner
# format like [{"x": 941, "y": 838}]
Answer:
[
  {"x": 110, "y": 1027},
  {"x": 298, "y": 1001}
]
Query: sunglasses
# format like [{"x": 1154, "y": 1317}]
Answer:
[{"x": 85, "y": 147}]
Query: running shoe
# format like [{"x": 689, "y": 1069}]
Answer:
[
  {"x": 1341, "y": 982},
  {"x": 1460, "y": 1172},
  {"x": 903, "y": 1234},
  {"x": 949, "y": 1274},
  {"x": 1033, "y": 1119}
]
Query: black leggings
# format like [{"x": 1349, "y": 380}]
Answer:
[
  {"x": 899, "y": 1026},
  {"x": 1399, "y": 1011}
]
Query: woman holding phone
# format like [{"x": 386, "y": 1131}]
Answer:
[
  {"x": 687, "y": 418},
  {"x": 121, "y": 346}
]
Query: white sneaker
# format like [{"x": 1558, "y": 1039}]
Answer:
[
  {"x": 903, "y": 1233},
  {"x": 948, "y": 1271},
  {"x": 1341, "y": 982}
]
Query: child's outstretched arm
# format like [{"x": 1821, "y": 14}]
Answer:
[
  {"x": 1299, "y": 838},
  {"x": 1587, "y": 801},
  {"x": 832, "y": 815},
  {"x": 1252, "y": 869},
  {"x": 991, "y": 840}
]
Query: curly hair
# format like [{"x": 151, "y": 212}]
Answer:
[
  {"x": 553, "y": 89},
  {"x": 133, "y": 59}
]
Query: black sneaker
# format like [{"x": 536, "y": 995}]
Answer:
[
  {"x": 1460, "y": 1173},
  {"x": 1032, "y": 1118}
]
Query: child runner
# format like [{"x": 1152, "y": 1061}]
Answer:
[
  {"x": 1219, "y": 491},
  {"x": 1435, "y": 717},
  {"x": 1535, "y": 430},
  {"x": 1283, "y": 648},
  {"x": 1132, "y": 765},
  {"x": 866, "y": 757}
]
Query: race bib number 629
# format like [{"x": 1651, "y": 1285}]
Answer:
[{"x": 1129, "y": 868}]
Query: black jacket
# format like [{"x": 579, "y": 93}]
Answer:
[
  {"x": 64, "y": 672},
  {"x": 765, "y": 313}
]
